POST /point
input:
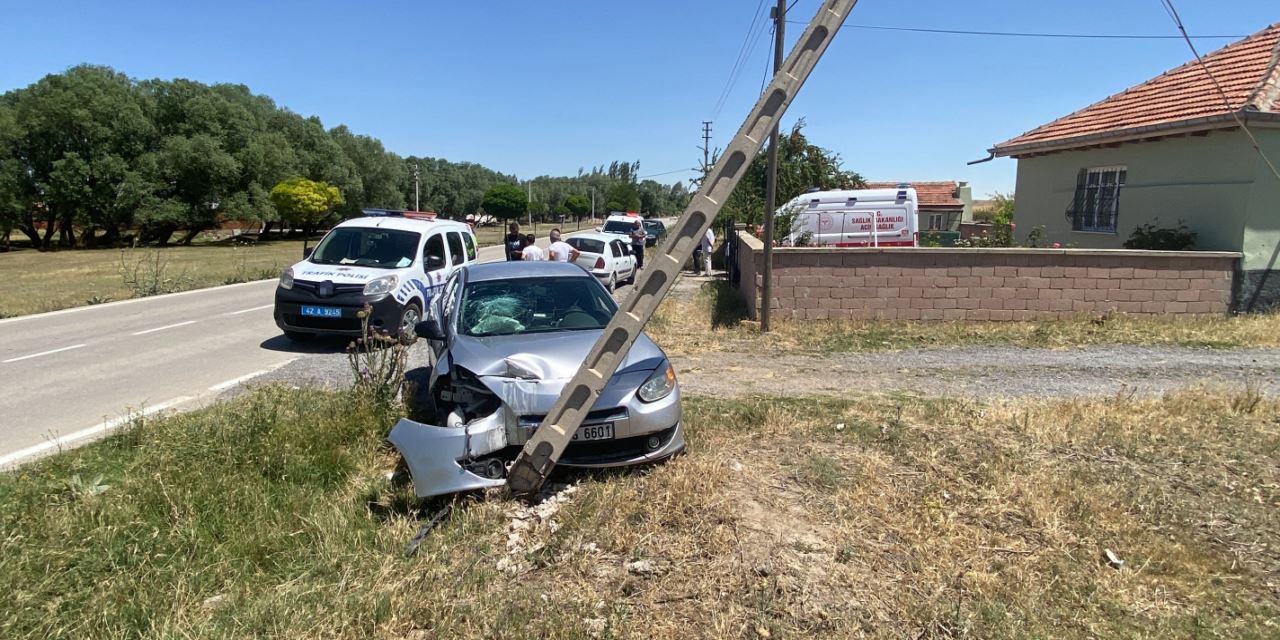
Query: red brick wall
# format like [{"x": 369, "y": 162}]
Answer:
[{"x": 986, "y": 284}]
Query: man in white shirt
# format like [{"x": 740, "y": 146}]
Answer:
[
  {"x": 561, "y": 251},
  {"x": 706, "y": 245},
  {"x": 529, "y": 250}
]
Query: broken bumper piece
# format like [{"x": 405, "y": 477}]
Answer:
[{"x": 436, "y": 455}]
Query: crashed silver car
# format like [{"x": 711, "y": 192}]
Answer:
[{"x": 506, "y": 338}]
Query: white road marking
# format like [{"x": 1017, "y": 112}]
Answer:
[
  {"x": 265, "y": 306},
  {"x": 60, "y": 442},
  {"x": 42, "y": 353},
  {"x": 156, "y": 299},
  {"x": 223, "y": 386},
  {"x": 167, "y": 326}
]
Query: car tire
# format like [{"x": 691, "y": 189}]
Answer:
[
  {"x": 299, "y": 336},
  {"x": 410, "y": 316},
  {"x": 613, "y": 282}
]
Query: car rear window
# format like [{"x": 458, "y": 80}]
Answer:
[{"x": 587, "y": 245}]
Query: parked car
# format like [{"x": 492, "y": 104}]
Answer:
[
  {"x": 605, "y": 256},
  {"x": 392, "y": 261},
  {"x": 656, "y": 230},
  {"x": 506, "y": 338}
]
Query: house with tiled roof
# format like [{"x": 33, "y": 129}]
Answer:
[
  {"x": 1167, "y": 150},
  {"x": 942, "y": 204}
]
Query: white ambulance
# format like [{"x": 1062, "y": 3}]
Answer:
[
  {"x": 393, "y": 261},
  {"x": 854, "y": 218}
]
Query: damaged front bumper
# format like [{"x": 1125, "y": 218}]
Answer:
[{"x": 466, "y": 456}]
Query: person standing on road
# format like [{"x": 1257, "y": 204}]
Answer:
[
  {"x": 529, "y": 250},
  {"x": 638, "y": 238},
  {"x": 513, "y": 241},
  {"x": 706, "y": 246},
  {"x": 559, "y": 250}
]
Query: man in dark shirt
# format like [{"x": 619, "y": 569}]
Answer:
[
  {"x": 638, "y": 237},
  {"x": 512, "y": 241}
]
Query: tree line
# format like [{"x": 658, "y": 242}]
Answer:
[{"x": 91, "y": 157}]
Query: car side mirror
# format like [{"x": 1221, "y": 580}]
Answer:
[
  {"x": 306, "y": 253},
  {"x": 429, "y": 329}
]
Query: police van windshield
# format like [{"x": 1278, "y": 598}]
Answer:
[
  {"x": 368, "y": 247},
  {"x": 619, "y": 226}
]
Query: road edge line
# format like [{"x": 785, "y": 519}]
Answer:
[{"x": 61, "y": 442}]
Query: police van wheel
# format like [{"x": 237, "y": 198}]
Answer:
[
  {"x": 299, "y": 336},
  {"x": 408, "y": 318}
]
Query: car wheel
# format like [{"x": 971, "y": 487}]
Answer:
[
  {"x": 408, "y": 318},
  {"x": 299, "y": 336},
  {"x": 613, "y": 281}
]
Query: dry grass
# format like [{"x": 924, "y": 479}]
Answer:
[
  {"x": 36, "y": 282},
  {"x": 879, "y": 516},
  {"x": 710, "y": 318}
]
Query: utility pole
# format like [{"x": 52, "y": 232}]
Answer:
[
  {"x": 706, "y": 147},
  {"x": 529, "y": 207},
  {"x": 771, "y": 182},
  {"x": 593, "y": 205},
  {"x": 416, "y": 175}
]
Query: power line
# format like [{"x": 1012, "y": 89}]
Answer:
[
  {"x": 744, "y": 52},
  {"x": 1177, "y": 20},
  {"x": 1021, "y": 34},
  {"x": 664, "y": 173}
]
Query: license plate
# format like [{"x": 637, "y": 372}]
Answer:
[
  {"x": 322, "y": 312},
  {"x": 594, "y": 432}
]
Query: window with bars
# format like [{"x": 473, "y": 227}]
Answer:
[{"x": 1096, "y": 205}]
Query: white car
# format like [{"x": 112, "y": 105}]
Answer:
[
  {"x": 605, "y": 256},
  {"x": 393, "y": 261}
]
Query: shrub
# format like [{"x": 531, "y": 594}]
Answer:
[{"x": 1150, "y": 237}]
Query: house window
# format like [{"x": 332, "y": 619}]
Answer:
[
  {"x": 1096, "y": 205},
  {"x": 937, "y": 221}
]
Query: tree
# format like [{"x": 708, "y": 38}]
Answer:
[
  {"x": 305, "y": 202},
  {"x": 801, "y": 165},
  {"x": 577, "y": 205},
  {"x": 505, "y": 201},
  {"x": 622, "y": 197}
]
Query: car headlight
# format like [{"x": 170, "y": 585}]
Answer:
[
  {"x": 659, "y": 385},
  {"x": 381, "y": 285},
  {"x": 286, "y": 279}
]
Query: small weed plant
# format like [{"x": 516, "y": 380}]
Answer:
[
  {"x": 378, "y": 362},
  {"x": 146, "y": 273}
]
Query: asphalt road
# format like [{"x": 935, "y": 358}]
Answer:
[{"x": 74, "y": 374}]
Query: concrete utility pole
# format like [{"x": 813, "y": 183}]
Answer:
[
  {"x": 706, "y": 147},
  {"x": 529, "y": 207},
  {"x": 416, "y": 175},
  {"x": 771, "y": 182}
]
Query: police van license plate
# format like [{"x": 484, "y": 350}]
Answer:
[
  {"x": 594, "y": 432},
  {"x": 322, "y": 312}
]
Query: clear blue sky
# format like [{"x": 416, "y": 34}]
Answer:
[{"x": 536, "y": 88}]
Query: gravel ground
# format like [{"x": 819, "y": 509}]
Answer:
[{"x": 971, "y": 372}]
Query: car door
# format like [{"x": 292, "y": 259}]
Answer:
[{"x": 626, "y": 261}]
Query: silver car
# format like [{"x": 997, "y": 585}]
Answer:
[{"x": 506, "y": 338}]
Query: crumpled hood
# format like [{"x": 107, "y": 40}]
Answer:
[
  {"x": 310, "y": 271},
  {"x": 547, "y": 357}
]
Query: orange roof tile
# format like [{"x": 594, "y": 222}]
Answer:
[
  {"x": 1248, "y": 71},
  {"x": 928, "y": 194}
]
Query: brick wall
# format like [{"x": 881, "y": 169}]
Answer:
[{"x": 985, "y": 284}]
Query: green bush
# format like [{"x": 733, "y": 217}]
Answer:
[{"x": 1150, "y": 237}]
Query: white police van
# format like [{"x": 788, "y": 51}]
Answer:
[{"x": 393, "y": 261}]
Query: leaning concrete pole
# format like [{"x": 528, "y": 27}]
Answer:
[{"x": 541, "y": 452}]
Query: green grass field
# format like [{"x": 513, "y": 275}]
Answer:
[{"x": 876, "y": 516}]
